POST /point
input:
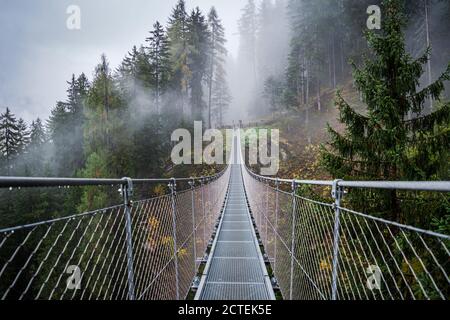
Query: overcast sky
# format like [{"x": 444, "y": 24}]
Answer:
[{"x": 38, "y": 54}]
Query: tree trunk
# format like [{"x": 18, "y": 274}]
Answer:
[
  {"x": 342, "y": 60},
  {"x": 319, "y": 105},
  {"x": 334, "y": 61},
  {"x": 427, "y": 29},
  {"x": 307, "y": 83},
  {"x": 330, "y": 66}
]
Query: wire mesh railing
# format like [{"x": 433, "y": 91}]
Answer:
[
  {"x": 323, "y": 250},
  {"x": 147, "y": 249}
]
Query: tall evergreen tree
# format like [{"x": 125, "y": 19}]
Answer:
[
  {"x": 198, "y": 38},
  {"x": 273, "y": 89},
  {"x": 134, "y": 78},
  {"x": 266, "y": 30},
  {"x": 23, "y": 136},
  {"x": 36, "y": 151},
  {"x": 57, "y": 126},
  {"x": 177, "y": 32},
  {"x": 221, "y": 97},
  {"x": 158, "y": 47},
  {"x": 37, "y": 134},
  {"x": 384, "y": 144},
  {"x": 9, "y": 137},
  {"x": 103, "y": 104},
  {"x": 107, "y": 131},
  {"x": 76, "y": 102},
  {"x": 128, "y": 73},
  {"x": 248, "y": 31},
  {"x": 216, "y": 72},
  {"x": 65, "y": 127}
]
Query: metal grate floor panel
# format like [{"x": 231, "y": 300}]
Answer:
[
  {"x": 235, "y": 291},
  {"x": 235, "y": 218},
  {"x": 235, "y": 270},
  {"x": 235, "y": 235},
  {"x": 236, "y": 225},
  {"x": 232, "y": 249}
]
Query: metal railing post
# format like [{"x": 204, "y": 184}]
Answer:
[
  {"x": 277, "y": 183},
  {"x": 172, "y": 186},
  {"x": 294, "y": 209},
  {"x": 337, "y": 193},
  {"x": 127, "y": 192},
  {"x": 266, "y": 214},
  {"x": 194, "y": 226},
  {"x": 203, "y": 209}
]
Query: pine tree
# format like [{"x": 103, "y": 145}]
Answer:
[
  {"x": 384, "y": 144},
  {"x": 221, "y": 97},
  {"x": 76, "y": 94},
  {"x": 57, "y": 126},
  {"x": 134, "y": 78},
  {"x": 177, "y": 33},
  {"x": 76, "y": 101},
  {"x": 37, "y": 151},
  {"x": 198, "y": 37},
  {"x": 273, "y": 89},
  {"x": 65, "y": 127},
  {"x": 158, "y": 47},
  {"x": 23, "y": 136},
  {"x": 9, "y": 137},
  {"x": 248, "y": 32},
  {"x": 37, "y": 134},
  {"x": 108, "y": 132},
  {"x": 216, "y": 72},
  {"x": 103, "y": 104},
  {"x": 128, "y": 73},
  {"x": 266, "y": 30}
]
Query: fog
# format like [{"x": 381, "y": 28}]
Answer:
[{"x": 263, "y": 51}]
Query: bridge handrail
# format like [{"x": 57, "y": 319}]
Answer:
[
  {"x": 31, "y": 182},
  {"x": 438, "y": 186}
]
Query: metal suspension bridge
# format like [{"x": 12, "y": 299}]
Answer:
[{"x": 235, "y": 235}]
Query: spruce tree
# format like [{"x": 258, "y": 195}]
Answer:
[
  {"x": 177, "y": 33},
  {"x": 134, "y": 76},
  {"x": 385, "y": 143},
  {"x": 37, "y": 134},
  {"x": 216, "y": 73},
  {"x": 37, "y": 151},
  {"x": 158, "y": 48},
  {"x": 75, "y": 105},
  {"x": 9, "y": 137},
  {"x": 128, "y": 73},
  {"x": 57, "y": 126},
  {"x": 273, "y": 89},
  {"x": 103, "y": 106},
  {"x": 23, "y": 136},
  {"x": 248, "y": 31},
  {"x": 198, "y": 37},
  {"x": 221, "y": 97}
]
